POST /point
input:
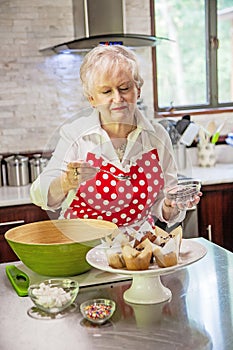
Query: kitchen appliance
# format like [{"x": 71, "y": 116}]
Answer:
[
  {"x": 17, "y": 170},
  {"x": 101, "y": 22},
  {"x": 37, "y": 165}
]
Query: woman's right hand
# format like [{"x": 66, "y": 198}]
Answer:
[
  {"x": 78, "y": 172},
  {"x": 75, "y": 173}
]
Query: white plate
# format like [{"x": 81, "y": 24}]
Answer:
[
  {"x": 146, "y": 287},
  {"x": 190, "y": 252}
]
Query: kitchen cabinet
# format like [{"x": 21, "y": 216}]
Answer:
[
  {"x": 215, "y": 214},
  {"x": 12, "y": 216}
]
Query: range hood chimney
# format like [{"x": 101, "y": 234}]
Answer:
[{"x": 101, "y": 22}]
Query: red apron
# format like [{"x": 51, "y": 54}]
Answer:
[{"x": 123, "y": 202}]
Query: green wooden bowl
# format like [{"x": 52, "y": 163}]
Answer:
[{"x": 57, "y": 248}]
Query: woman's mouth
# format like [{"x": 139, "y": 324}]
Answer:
[{"x": 119, "y": 108}]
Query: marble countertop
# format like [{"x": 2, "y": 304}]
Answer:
[
  {"x": 220, "y": 173},
  {"x": 13, "y": 195}
]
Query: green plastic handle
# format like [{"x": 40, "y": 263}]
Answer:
[
  {"x": 215, "y": 138},
  {"x": 19, "y": 280}
]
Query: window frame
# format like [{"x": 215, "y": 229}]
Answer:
[{"x": 211, "y": 67}]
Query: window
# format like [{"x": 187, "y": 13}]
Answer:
[{"x": 195, "y": 69}]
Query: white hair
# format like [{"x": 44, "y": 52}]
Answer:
[{"x": 104, "y": 59}]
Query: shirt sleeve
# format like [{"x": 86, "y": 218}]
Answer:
[
  {"x": 169, "y": 169},
  {"x": 67, "y": 150}
]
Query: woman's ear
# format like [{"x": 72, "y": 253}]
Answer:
[{"x": 91, "y": 101}]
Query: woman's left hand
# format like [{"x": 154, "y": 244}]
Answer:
[{"x": 182, "y": 205}]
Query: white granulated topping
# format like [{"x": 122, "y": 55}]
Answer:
[{"x": 51, "y": 297}]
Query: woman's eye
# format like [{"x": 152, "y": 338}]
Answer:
[{"x": 106, "y": 92}]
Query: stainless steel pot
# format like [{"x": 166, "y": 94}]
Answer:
[
  {"x": 37, "y": 165},
  {"x": 17, "y": 170}
]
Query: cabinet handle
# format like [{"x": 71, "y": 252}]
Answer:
[
  {"x": 209, "y": 232},
  {"x": 12, "y": 222}
]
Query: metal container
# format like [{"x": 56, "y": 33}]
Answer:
[
  {"x": 17, "y": 170},
  {"x": 180, "y": 153},
  {"x": 37, "y": 165}
]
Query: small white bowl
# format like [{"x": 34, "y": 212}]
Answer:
[
  {"x": 98, "y": 311},
  {"x": 54, "y": 295}
]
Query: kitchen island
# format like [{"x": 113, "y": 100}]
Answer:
[{"x": 199, "y": 315}]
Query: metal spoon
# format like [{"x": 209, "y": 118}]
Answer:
[{"x": 118, "y": 177}]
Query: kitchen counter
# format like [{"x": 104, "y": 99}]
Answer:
[
  {"x": 220, "y": 173},
  {"x": 199, "y": 315},
  {"x": 13, "y": 195}
]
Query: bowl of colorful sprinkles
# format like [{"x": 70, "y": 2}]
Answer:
[{"x": 98, "y": 311}]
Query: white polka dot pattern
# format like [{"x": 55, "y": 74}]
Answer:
[{"x": 122, "y": 202}]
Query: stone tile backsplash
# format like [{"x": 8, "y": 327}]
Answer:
[{"x": 38, "y": 91}]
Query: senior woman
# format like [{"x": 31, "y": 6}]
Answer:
[{"x": 114, "y": 164}]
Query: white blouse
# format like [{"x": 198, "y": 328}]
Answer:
[{"x": 85, "y": 135}]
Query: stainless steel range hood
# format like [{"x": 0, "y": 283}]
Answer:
[{"x": 101, "y": 22}]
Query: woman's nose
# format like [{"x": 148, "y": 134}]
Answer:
[{"x": 117, "y": 97}]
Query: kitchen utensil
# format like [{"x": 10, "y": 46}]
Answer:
[
  {"x": 45, "y": 246},
  {"x": 98, "y": 311},
  {"x": 216, "y": 135},
  {"x": 54, "y": 295},
  {"x": 189, "y": 134},
  {"x": 17, "y": 170},
  {"x": 19, "y": 280},
  {"x": 118, "y": 177},
  {"x": 180, "y": 154},
  {"x": 182, "y": 125},
  {"x": 170, "y": 127},
  {"x": 211, "y": 127},
  {"x": 203, "y": 137}
]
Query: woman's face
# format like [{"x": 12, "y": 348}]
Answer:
[{"x": 115, "y": 96}]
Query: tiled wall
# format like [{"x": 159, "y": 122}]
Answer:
[{"x": 38, "y": 92}]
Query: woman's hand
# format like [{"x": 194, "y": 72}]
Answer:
[
  {"x": 75, "y": 173},
  {"x": 181, "y": 205},
  {"x": 78, "y": 172}
]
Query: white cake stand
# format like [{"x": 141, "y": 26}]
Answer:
[{"x": 146, "y": 287}]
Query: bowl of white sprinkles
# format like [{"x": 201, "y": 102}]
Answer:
[{"x": 54, "y": 295}]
